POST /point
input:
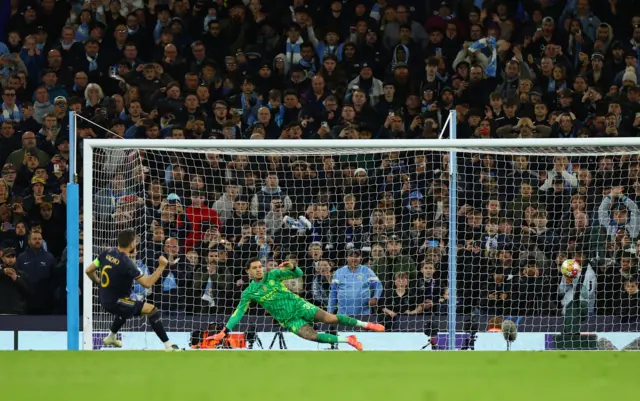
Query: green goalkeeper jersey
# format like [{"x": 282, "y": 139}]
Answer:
[{"x": 272, "y": 295}]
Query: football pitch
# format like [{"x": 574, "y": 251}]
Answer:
[{"x": 318, "y": 376}]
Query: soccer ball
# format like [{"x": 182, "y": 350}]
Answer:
[{"x": 570, "y": 268}]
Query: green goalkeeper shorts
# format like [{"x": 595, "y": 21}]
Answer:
[{"x": 304, "y": 314}]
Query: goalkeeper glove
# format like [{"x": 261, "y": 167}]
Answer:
[{"x": 221, "y": 335}]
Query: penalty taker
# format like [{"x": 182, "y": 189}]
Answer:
[{"x": 114, "y": 272}]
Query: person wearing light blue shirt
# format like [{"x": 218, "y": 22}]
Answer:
[
  {"x": 355, "y": 288},
  {"x": 586, "y": 299}
]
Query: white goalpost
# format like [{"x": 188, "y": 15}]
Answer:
[{"x": 460, "y": 234}]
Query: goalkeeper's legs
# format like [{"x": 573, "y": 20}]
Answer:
[
  {"x": 308, "y": 333},
  {"x": 329, "y": 318},
  {"x": 153, "y": 316}
]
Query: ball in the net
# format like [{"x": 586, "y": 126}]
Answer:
[{"x": 570, "y": 268}]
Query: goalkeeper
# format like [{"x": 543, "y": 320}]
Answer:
[{"x": 292, "y": 312}]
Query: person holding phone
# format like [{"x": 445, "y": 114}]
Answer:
[
  {"x": 611, "y": 127},
  {"x": 48, "y": 133}
]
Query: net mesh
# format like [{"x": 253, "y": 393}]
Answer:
[{"x": 520, "y": 212}]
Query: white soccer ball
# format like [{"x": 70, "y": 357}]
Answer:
[{"x": 570, "y": 268}]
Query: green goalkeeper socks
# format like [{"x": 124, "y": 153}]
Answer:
[
  {"x": 349, "y": 321},
  {"x": 331, "y": 339}
]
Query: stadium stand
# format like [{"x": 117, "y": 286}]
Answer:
[{"x": 322, "y": 69}]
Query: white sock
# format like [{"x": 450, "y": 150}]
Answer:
[
  {"x": 361, "y": 324},
  {"x": 168, "y": 344},
  {"x": 342, "y": 339},
  {"x": 111, "y": 335}
]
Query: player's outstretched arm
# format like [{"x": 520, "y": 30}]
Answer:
[
  {"x": 235, "y": 318},
  {"x": 287, "y": 271},
  {"x": 92, "y": 271},
  {"x": 287, "y": 266},
  {"x": 147, "y": 280}
]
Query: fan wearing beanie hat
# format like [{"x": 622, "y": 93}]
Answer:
[{"x": 629, "y": 77}]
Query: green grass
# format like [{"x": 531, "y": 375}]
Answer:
[{"x": 319, "y": 376}]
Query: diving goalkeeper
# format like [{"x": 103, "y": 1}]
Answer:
[{"x": 292, "y": 312}]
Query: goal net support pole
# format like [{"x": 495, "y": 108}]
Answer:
[
  {"x": 73, "y": 242},
  {"x": 87, "y": 222},
  {"x": 453, "y": 232}
]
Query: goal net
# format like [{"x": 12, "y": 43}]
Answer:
[{"x": 371, "y": 229}]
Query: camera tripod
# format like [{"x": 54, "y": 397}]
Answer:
[
  {"x": 431, "y": 343},
  {"x": 254, "y": 340},
  {"x": 278, "y": 336}
]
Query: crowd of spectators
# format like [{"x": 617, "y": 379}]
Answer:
[{"x": 369, "y": 230}]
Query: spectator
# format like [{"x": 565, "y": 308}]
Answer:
[
  {"x": 355, "y": 288},
  {"x": 5, "y": 193},
  {"x": 215, "y": 282},
  {"x": 198, "y": 213},
  {"x": 20, "y": 236},
  {"x": 52, "y": 217},
  {"x": 401, "y": 299},
  {"x": 224, "y": 205},
  {"x": 10, "y": 110},
  {"x": 240, "y": 219},
  {"x": 496, "y": 294},
  {"x": 624, "y": 214},
  {"x": 376, "y": 255},
  {"x": 173, "y": 283},
  {"x": 322, "y": 283},
  {"x": 394, "y": 261},
  {"x": 12, "y": 65},
  {"x": 532, "y": 289},
  {"x": 38, "y": 264},
  {"x": 14, "y": 286},
  {"x": 585, "y": 301},
  {"x": 274, "y": 219},
  {"x": 262, "y": 200},
  {"x": 50, "y": 83},
  {"x": 392, "y": 29},
  {"x": 42, "y": 104},
  {"x": 28, "y": 149},
  {"x": 630, "y": 303},
  {"x": 430, "y": 286},
  {"x": 612, "y": 279},
  {"x": 526, "y": 198},
  {"x": 9, "y": 141},
  {"x": 154, "y": 244}
]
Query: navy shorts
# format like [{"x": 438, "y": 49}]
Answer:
[{"x": 125, "y": 308}]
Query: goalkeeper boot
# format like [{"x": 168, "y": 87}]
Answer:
[
  {"x": 172, "y": 348},
  {"x": 353, "y": 341},
  {"x": 112, "y": 341},
  {"x": 374, "y": 327}
]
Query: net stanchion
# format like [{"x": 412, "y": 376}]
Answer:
[
  {"x": 73, "y": 242},
  {"x": 518, "y": 213}
]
